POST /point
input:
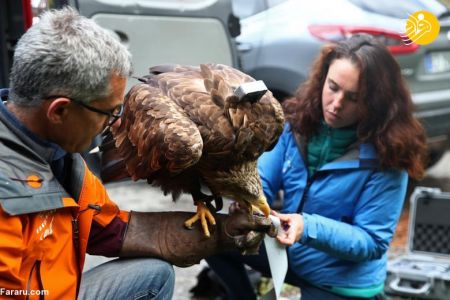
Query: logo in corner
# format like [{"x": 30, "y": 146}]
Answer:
[{"x": 422, "y": 28}]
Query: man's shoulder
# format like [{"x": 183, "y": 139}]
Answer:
[{"x": 28, "y": 186}]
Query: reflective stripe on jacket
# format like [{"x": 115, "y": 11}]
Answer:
[{"x": 46, "y": 230}]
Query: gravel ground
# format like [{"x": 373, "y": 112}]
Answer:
[{"x": 140, "y": 196}]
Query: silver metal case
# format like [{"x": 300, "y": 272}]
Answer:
[{"x": 424, "y": 271}]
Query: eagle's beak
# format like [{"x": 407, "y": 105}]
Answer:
[{"x": 262, "y": 205}]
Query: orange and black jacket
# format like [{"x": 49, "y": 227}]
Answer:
[{"x": 46, "y": 228}]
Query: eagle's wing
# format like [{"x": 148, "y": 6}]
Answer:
[
  {"x": 257, "y": 125},
  {"x": 185, "y": 85},
  {"x": 230, "y": 129},
  {"x": 156, "y": 135}
]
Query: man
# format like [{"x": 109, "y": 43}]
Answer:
[{"x": 67, "y": 85}]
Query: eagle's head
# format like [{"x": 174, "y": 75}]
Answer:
[{"x": 239, "y": 182}]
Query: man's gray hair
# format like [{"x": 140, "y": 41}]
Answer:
[{"x": 66, "y": 54}]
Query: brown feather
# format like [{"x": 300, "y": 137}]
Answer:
[{"x": 185, "y": 126}]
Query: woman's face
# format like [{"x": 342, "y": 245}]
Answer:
[{"x": 339, "y": 94}]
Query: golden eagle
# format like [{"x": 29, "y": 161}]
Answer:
[{"x": 186, "y": 126}]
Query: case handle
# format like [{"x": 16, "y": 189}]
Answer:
[{"x": 395, "y": 285}]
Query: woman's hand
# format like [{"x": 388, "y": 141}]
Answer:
[{"x": 291, "y": 229}]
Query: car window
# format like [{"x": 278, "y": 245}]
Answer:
[
  {"x": 402, "y": 9},
  {"x": 155, "y": 30}
]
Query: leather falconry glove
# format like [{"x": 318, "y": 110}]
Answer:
[{"x": 163, "y": 235}]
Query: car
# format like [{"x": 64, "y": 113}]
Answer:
[
  {"x": 280, "y": 39},
  {"x": 12, "y": 26},
  {"x": 155, "y": 31}
]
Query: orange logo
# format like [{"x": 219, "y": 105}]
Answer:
[
  {"x": 422, "y": 27},
  {"x": 34, "y": 181}
]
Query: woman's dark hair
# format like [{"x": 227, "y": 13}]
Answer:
[{"x": 385, "y": 107}]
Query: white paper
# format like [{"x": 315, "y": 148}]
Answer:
[{"x": 278, "y": 262}]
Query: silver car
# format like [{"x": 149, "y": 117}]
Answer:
[{"x": 280, "y": 39}]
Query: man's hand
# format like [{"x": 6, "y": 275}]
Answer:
[
  {"x": 291, "y": 229},
  {"x": 162, "y": 235},
  {"x": 247, "y": 230}
]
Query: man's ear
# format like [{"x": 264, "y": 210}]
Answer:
[{"x": 57, "y": 110}]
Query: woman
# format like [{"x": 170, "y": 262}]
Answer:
[{"x": 343, "y": 162}]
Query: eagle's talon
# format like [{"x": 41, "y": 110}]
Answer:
[
  {"x": 205, "y": 228},
  {"x": 204, "y": 215},
  {"x": 188, "y": 223}
]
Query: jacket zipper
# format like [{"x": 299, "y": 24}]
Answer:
[
  {"x": 37, "y": 266},
  {"x": 75, "y": 227},
  {"x": 76, "y": 235}
]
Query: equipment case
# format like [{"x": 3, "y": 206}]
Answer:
[{"x": 424, "y": 271}]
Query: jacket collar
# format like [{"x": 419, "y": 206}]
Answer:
[
  {"x": 361, "y": 156},
  {"x": 48, "y": 150},
  {"x": 358, "y": 155}
]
